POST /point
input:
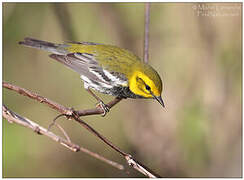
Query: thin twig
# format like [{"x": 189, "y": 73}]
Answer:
[
  {"x": 141, "y": 168},
  {"x": 39, "y": 98},
  {"x": 96, "y": 111},
  {"x": 56, "y": 106},
  {"x": 66, "y": 111},
  {"x": 146, "y": 32},
  {"x": 131, "y": 161},
  {"x": 54, "y": 121},
  {"x": 75, "y": 115},
  {"x": 63, "y": 131},
  {"x": 12, "y": 117}
]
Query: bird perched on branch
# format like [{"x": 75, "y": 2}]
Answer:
[{"x": 105, "y": 68}]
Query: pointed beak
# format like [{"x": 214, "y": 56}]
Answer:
[{"x": 160, "y": 100}]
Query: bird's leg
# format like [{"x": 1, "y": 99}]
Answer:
[{"x": 101, "y": 104}]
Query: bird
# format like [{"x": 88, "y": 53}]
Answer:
[{"x": 106, "y": 69}]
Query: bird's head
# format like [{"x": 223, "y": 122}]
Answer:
[{"x": 146, "y": 83}]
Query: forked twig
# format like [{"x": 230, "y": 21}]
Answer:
[
  {"x": 54, "y": 121},
  {"x": 130, "y": 160},
  {"x": 63, "y": 131},
  {"x": 12, "y": 117}
]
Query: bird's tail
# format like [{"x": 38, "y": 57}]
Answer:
[{"x": 47, "y": 46}]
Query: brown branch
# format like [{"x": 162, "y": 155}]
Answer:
[
  {"x": 12, "y": 117},
  {"x": 132, "y": 162},
  {"x": 56, "y": 106},
  {"x": 146, "y": 32},
  {"x": 141, "y": 168},
  {"x": 39, "y": 98},
  {"x": 96, "y": 111},
  {"x": 15, "y": 118},
  {"x": 70, "y": 113}
]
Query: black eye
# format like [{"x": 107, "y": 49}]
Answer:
[{"x": 148, "y": 88}]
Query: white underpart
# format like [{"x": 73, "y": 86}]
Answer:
[
  {"x": 105, "y": 85},
  {"x": 88, "y": 84},
  {"x": 96, "y": 74},
  {"x": 86, "y": 81},
  {"x": 103, "y": 82},
  {"x": 114, "y": 79}
]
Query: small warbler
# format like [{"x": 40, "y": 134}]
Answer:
[{"x": 105, "y": 68}]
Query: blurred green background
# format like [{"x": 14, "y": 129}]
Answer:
[{"x": 197, "y": 49}]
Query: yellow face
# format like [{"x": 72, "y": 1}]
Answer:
[{"x": 141, "y": 84}]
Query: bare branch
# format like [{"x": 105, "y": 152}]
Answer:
[
  {"x": 146, "y": 32},
  {"x": 39, "y": 98},
  {"x": 141, "y": 168},
  {"x": 12, "y": 117},
  {"x": 96, "y": 111},
  {"x": 132, "y": 162},
  {"x": 70, "y": 113},
  {"x": 56, "y": 106}
]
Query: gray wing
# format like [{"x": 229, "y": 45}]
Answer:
[{"x": 86, "y": 65}]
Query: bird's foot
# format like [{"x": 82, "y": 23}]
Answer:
[{"x": 104, "y": 107}]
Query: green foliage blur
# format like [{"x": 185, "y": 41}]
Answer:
[{"x": 196, "y": 48}]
